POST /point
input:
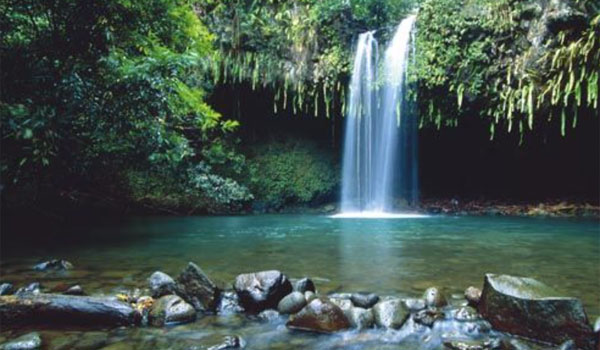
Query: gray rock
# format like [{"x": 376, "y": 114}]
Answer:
[
  {"x": 268, "y": 315},
  {"x": 74, "y": 290},
  {"x": 466, "y": 313},
  {"x": 229, "y": 342},
  {"x": 390, "y": 313},
  {"x": 261, "y": 290},
  {"x": 434, "y": 298},
  {"x": 304, "y": 285},
  {"x": 321, "y": 316},
  {"x": 6, "y": 289},
  {"x": 415, "y": 305},
  {"x": 229, "y": 303},
  {"x": 473, "y": 295},
  {"x": 309, "y": 296},
  {"x": 32, "y": 288},
  {"x": 526, "y": 307},
  {"x": 360, "y": 318},
  {"x": 512, "y": 344},
  {"x": 28, "y": 341},
  {"x": 291, "y": 303},
  {"x": 161, "y": 284},
  {"x": 427, "y": 317},
  {"x": 53, "y": 265},
  {"x": 364, "y": 300},
  {"x": 197, "y": 289},
  {"x": 171, "y": 309},
  {"x": 466, "y": 345}
]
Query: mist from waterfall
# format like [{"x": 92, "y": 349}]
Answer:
[{"x": 380, "y": 147}]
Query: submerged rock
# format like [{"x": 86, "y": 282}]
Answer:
[
  {"x": 229, "y": 342},
  {"x": 467, "y": 345},
  {"x": 268, "y": 315},
  {"x": 53, "y": 264},
  {"x": 6, "y": 289},
  {"x": 171, "y": 309},
  {"x": 28, "y": 341},
  {"x": 364, "y": 300},
  {"x": 291, "y": 303},
  {"x": 321, "y": 315},
  {"x": 161, "y": 284},
  {"x": 427, "y": 317},
  {"x": 229, "y": 303},
  {"x": 261, "y": 290},
  {"x": 527, "y": 307},
  {"x": 390, "y": 313},
  {"x": 360, "y": 318},
  {"x": 473, "y": 295},
  {"x": 304, "y": 285},
  {"x": 197, "y": 289},
  {"x": 434, "y": 298}
]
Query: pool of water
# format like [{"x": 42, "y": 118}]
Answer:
[{"x": 400, "y": 257}]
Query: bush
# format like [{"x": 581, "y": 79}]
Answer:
[{"x": 292, "y": 172}]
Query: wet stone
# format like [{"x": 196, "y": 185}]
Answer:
[
  {"x": 28, "y": 341},
  {"x": 360, "y": 318},
  {"x": 33, "y": 288},
  {"x": 465, "y": 345},
  {"x": 261, "y": 290},
  {"x": 268, "y": 315},
  {"x": 161, "y": 284},
  {"x": 229, "y": 303},
  {"x": 229, "y": 342},
  {"x": 197, "y": 288},
  {"x": 304, "y": 285},
  {"x": 291, "y": 303},
  {"x": 171, "y": 309},
  {"x": 364, "y": 300},
  {"x": 53, "y": 265},
  {"x": 415, "y": 305},
  {"x": 321, "y": 315},
  {"x": 74, "y": 290},
  {"x": 309, "y": 296},
  {"x": 6, "y": 289},
  {"x": 466, "y": 313},
  {"x": 428, "y": 317},
  {"x": 390, "y": 313},
  {"x": 434, "y": 298},
  {"x": 473, "y": 295}
]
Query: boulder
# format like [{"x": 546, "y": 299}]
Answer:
[
  {"x": 268, "y": 316},
  {"x": 304, "y": 285},
  {"x": 261, "y": 290},
  {"x": 28, "y": 341},
  {"x": 229, "y": 342},
  {"x": 229, "y": 303},
  {"x": 321, "y": 315},
  {"x": 527, "y": 307},
  {"x": 473, "y": 295},
  {"x": 360, "y": 318},
  {"x": 364, "y": 300},
  {"x": 291, "y": 303},
  {"x": 197, "y": 289},
  {"x": 309, "y": 296},
  {"x": 6, "y": 289},
  {"x": 427, "y": 317},
  {"x": 415, "y": 305},
  {"x": 343, "y": 303},
  {"x": 161, "y": 284},
  {"x": 53, "y": 265},
  {"x": 171, "y": 309},
  {"x": 390, "y": 313},
  {"x": 434, "y": 298}
]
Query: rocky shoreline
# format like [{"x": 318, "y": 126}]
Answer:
[{"x": 481, "y": 319}]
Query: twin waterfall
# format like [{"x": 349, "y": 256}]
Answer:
[{"x": 380, "y": 147}]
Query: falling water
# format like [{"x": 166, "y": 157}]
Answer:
[{"x": 380, "y": 150}]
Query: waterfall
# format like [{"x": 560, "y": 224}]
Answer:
[{"x": 380, "y": 147}]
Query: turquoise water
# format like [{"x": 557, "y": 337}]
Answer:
[{"x": 400, "y": 257}]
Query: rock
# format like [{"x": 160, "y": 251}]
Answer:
[
  {"x": 261, "y": 290},
  {"x": 428, "y": 316},
  {"x": 268, "y": 316},
  {"x": 53, "y": 265},
  {"x": 342, "y": 303},
  {"x": 415, "y": 305},
  {"x": 28, "y": 341},
  {"x": 197, "y": 289},
  {"x": 171, "y": 309},
  {"x": 309, "y": 296},
  {"x": 6, "y": 289},
  {"x": 434, "y": 298},
  {"x": 473, "y": 295},
  {"x": 390, "y": 313},
  {"x": 364, "y": 300},
  {"x": 32, "y": 288},
  {"x": 229, "y": 303},
  {"x": 161, "y": 284},
  {"x": 597, "y": 325},
  {"x": 291, "y": 303},
  {"x": 360, "y": 318},
  {"x": 465, "y": 314},
  {"x": 466, "y": 345},
  {"x": 568, "y": 345},
  {"x": 321, "y": 315},
  {"x": 229, "y": 342},
  {"x": 304, "y": 285},
  {"x": 74, "y": 290},
  {"x": 512, "y": 344},
  {"x": 527, "y": 307}
]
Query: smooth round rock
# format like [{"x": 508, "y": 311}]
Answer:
[
  {"x": 171, "y": 309},
  {"x": 434, "y": 298},
  {"x": 304, "y": 285},
  {"x": 28, "y": 341},
  {"x": 291, "y": 303},
  {"x": 6, "y": 289},
  {"x": 414, "y": 304},
  {"x": 321, "y": 316},
  {"x": 390, "y": 313},
  {"x": 473, "y": 295},
  {"x": 364, "y": 300},
  {"x": 261, "y": 290},
  {"x": 309, "y": 296},
  {"x": 360, "y": 318},
  {"x": 268, "y": 315},
  {"x": 161, "y": 284},
  {"x": 229, "y": 303},
  {"x": 229, "y": 342},
  {"x": 427, "y": 317}
]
